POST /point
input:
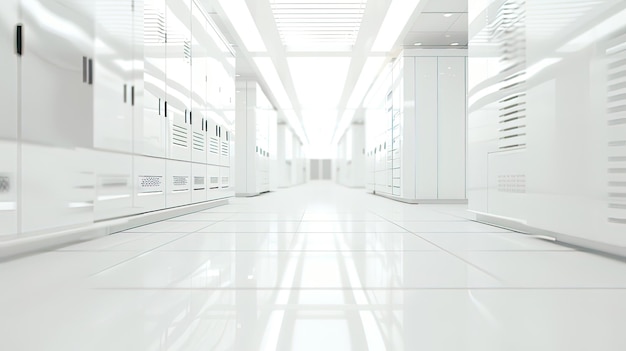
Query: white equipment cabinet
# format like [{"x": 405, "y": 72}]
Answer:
[
  {"x": 416, "y": 144},
  {"x": 178, "y": 78},
  {"x": 9, "y": 17},
  {"x": 57, "y": 75},
  {"x": 254, "y": 116},
  {"x": 150, "y": 133},
  {"x": 547, "y": 127}
]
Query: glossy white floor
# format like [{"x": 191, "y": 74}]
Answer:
[{"x": 316, "y": 267}]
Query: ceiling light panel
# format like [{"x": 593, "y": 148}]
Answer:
[{"x": 317, "y": 23}]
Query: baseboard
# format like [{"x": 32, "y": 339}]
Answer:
[
  {"x": 29, "y": 244},
  {"x": 577, "y": 242},
  {"x": 423, "y": 201}
]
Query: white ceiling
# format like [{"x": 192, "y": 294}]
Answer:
[{"x": 319, "y": 49}]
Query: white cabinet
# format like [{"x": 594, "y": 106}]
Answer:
[
  {"x": 8, "y": 187},
  {"x": 199, "y": 78},
  {"x": 113, "y": 75},
  {"x": 57, "y": 76},
  {"x": 178, "y": 78},
  {"x": 57, "y": 187},
  {"x": 149, "y": 183},
  {"x": 150, "y": 133},
  {"x": 57, "y": 72},
  {"x": 254, "y": 117},
  {"x": 113, "y": 184},
  {"x": 178, "y": 183},
  {"x": 199, "y": 183},
  {"x": 8, "y": 119}
]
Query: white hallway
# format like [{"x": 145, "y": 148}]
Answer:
[{"x": 315, "y": 267}]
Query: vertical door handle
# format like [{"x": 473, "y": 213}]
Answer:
[
  {"x": 185, "y": 116},
  {"x": 90, "y": 71},
  {"x": 190, "y": 117},
  {"x": 202, "y": 125},
  {"x": 18, "y": 39},
  {"x": 165, "y": 106},
  {"x": 159, "y": 106},
  {"x": 125, "y": 88},
  {"x": 84, "y": 69},
  {"x": 132, "y": 95}
]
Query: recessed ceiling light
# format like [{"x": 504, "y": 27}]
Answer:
[
  {"x": 417, "y": 44},
  {"x": 447, "y": 35},
  {"x": 447, "y": 15},
  {"x": 454, "y": 44}
]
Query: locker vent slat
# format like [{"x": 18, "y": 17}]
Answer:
[{"x": 616, "y": 126}]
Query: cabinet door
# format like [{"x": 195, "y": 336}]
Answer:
[
  {"x": 150, "y": 127},
  {"x": 8, "y": 119},
  {"x": 178, "y": 79},
  {"x": 138, "y": 87},
  {"x": 57, "y": 72},
  {"x": 198, "y": 84},
  {"x": 199, "y": 182},
  {"x": 213, "y": 143},
  {"x": 113, "y": 83},
  {"x": 178, "y": 184},
  {"x": 149, "y": 173}
]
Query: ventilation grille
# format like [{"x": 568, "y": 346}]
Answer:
[
  {"x": 198, "y": 141},
  {"x": 512, "y": 183},
  {"x": 225, "y": 149},
  {"x": 5, "y": 184},
  {"x": 512, "y": 121},
  {"x": 214, "y": 145},
  {"x": 154, "y": 26},
  {"x": 199, "y": 183},
  {"x": 616, "y": 122},
  {"x": 508, "y": 32},
  {"x": 214, "y": 182},
  {"x": 179, "y": 136},
  {"x": 150, "y": 184},
  {"x": 180, "y": 180}
]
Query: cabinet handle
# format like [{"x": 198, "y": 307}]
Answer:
[
  {"x": 206, "y": 125},
  {"x": 90, "y": 71},
  {"x": 18, "y": 39},
  {"x": 84, "y": 69},
  {"x": 132, "y": 95},
  {"x": 190, "y": 117},
  {"x": 185, "y": 116},
  {"x": 159, "y": 106},
  {"x": 165, "y": 107},
  {"x": 202, "y": 125},
  {"x": 125, "y": 88}
]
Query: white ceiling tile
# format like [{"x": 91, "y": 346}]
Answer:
[
  {"x": 460, "y": 25},
  {"x": 446, "y": 6},
  {"x": 434, "y": 22}
]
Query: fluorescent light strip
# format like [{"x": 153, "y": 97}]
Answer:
[
  {"x": 368, "y": 74},
  {"x": 241, "y": 19},
  {"x": 271, "y": 77},
  {"x": 395, "y": 20}
]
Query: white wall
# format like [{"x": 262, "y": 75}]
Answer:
[
  {"x": 96, "y": 140},
  {"x": 547, "y": 146},
  {"x": 349, "y": 165}
]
